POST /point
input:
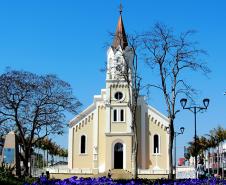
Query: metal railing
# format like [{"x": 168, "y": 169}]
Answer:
[
  {"x": 150, "y": 171},
  {"x": 67, "y": 170}
]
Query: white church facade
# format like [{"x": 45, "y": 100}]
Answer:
[{"x": 100, "y": 137}]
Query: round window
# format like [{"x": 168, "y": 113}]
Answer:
[{"x": 118, "y": 95}]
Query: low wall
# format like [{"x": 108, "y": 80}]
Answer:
[
  {"x": 153, "y": 176},
  {"x": 185, "y": 172},
  {"x": 68, "y": 175},
  {"x": 64, "y": 173}
]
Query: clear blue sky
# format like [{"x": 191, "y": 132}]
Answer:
[{"x": 68, "y": 38}]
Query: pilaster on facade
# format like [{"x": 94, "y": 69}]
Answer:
[
  {"x": 108, "y": 109},
  {"x": 143, "y": 130},
  {"x": 167, "y": 144},
  {"x": 70, "y": 148},
  {"x": 95, "y": 137},
  {"x": 108, "y": 119}
]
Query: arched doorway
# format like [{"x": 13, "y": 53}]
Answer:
[{"x": 118, "y": 156}]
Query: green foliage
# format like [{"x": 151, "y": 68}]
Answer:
[
  {"x": 52, "y": 147},
  {"x": 213, "y": 139},
  {"x": 7, "y": 178}
]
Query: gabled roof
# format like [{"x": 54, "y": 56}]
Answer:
[
  {"x": 82, "y": 115},
  {"x": 120, "y": 38},
  {"x": 89, "y": 110},
  {"x": 158, "y": 116}
]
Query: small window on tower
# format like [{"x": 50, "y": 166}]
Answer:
[
  {"x": 121, "y": 115},
  {"x": 118, "y": 95},
  {"x": 115, "y": 115}
]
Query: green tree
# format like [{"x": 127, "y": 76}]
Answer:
[
  {"x": 201, "y": 143},
  {"x": 211, "y": 143},
  {"x": 218, "y": 135}
]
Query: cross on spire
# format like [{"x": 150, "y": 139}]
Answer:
[{"x": 120, "y": 8}]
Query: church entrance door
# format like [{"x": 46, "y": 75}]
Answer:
[{"x": 118, "y": 156}]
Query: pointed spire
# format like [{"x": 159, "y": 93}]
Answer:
[{"x": 120, "y": 34}]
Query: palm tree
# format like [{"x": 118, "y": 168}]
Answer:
[
  {"x": 203, "y": 142},
  {"x": 200, "y": 146},
  {"x": 211, "y": 143},
  {"x": 51, "y": 148},
  {"x": 66, "y": 153},
  {"x": 52, "y": 151},
  {"x": 219, "y": 135},
  {"x": 38, "y": 145}
]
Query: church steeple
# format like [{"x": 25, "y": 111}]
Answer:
[
  {"x": 118, "y": 53},
  {"x": 120, "y": 34}
]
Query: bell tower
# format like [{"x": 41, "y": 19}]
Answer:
[
  {"x": 119, "y": 63},
  {"x": 118, "y": 51}
]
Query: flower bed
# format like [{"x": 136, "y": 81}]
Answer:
[{"x": 106, "y": 181}]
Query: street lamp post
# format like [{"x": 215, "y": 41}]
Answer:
[{"x": 195, "y": 110}]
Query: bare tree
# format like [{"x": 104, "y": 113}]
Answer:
[
  {"x": 172, "y": 56},
  {"x": 35, "y": 105},
  {"x": 4, "y": 129}
]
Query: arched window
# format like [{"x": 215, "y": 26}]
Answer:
[
  {"x": 119, "y": 147},
  {"x": 121, "y": 115},
  {"x": 156, "y": 144},
  {"x": 115, "y": 115},
  {"x": 118, "y": 156},
  {"x": 83, "y": 144}
]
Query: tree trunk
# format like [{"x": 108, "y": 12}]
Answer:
[
  {"x": 25, "y": 162},
  {"x": 26, "y": 171},
  {"x": 134, "y": 160},
  {"x": 47, "y": 157},
  {"x": 38, "y": 159},
  {"x": 170, "y": 149},
  {"x": 134, "y": 146},
  {"x": 43, "y": 158},
  {"x": 134, "y": 166}
]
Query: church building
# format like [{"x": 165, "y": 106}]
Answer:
[{"x": 100, "y": 137}]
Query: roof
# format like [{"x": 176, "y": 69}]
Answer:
[
  {"x": 120, "y": 38},
  {"x": 82, "y": 115},
  {"x": 158, "y": 116},
  {"x": 89, "y": 110}
]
